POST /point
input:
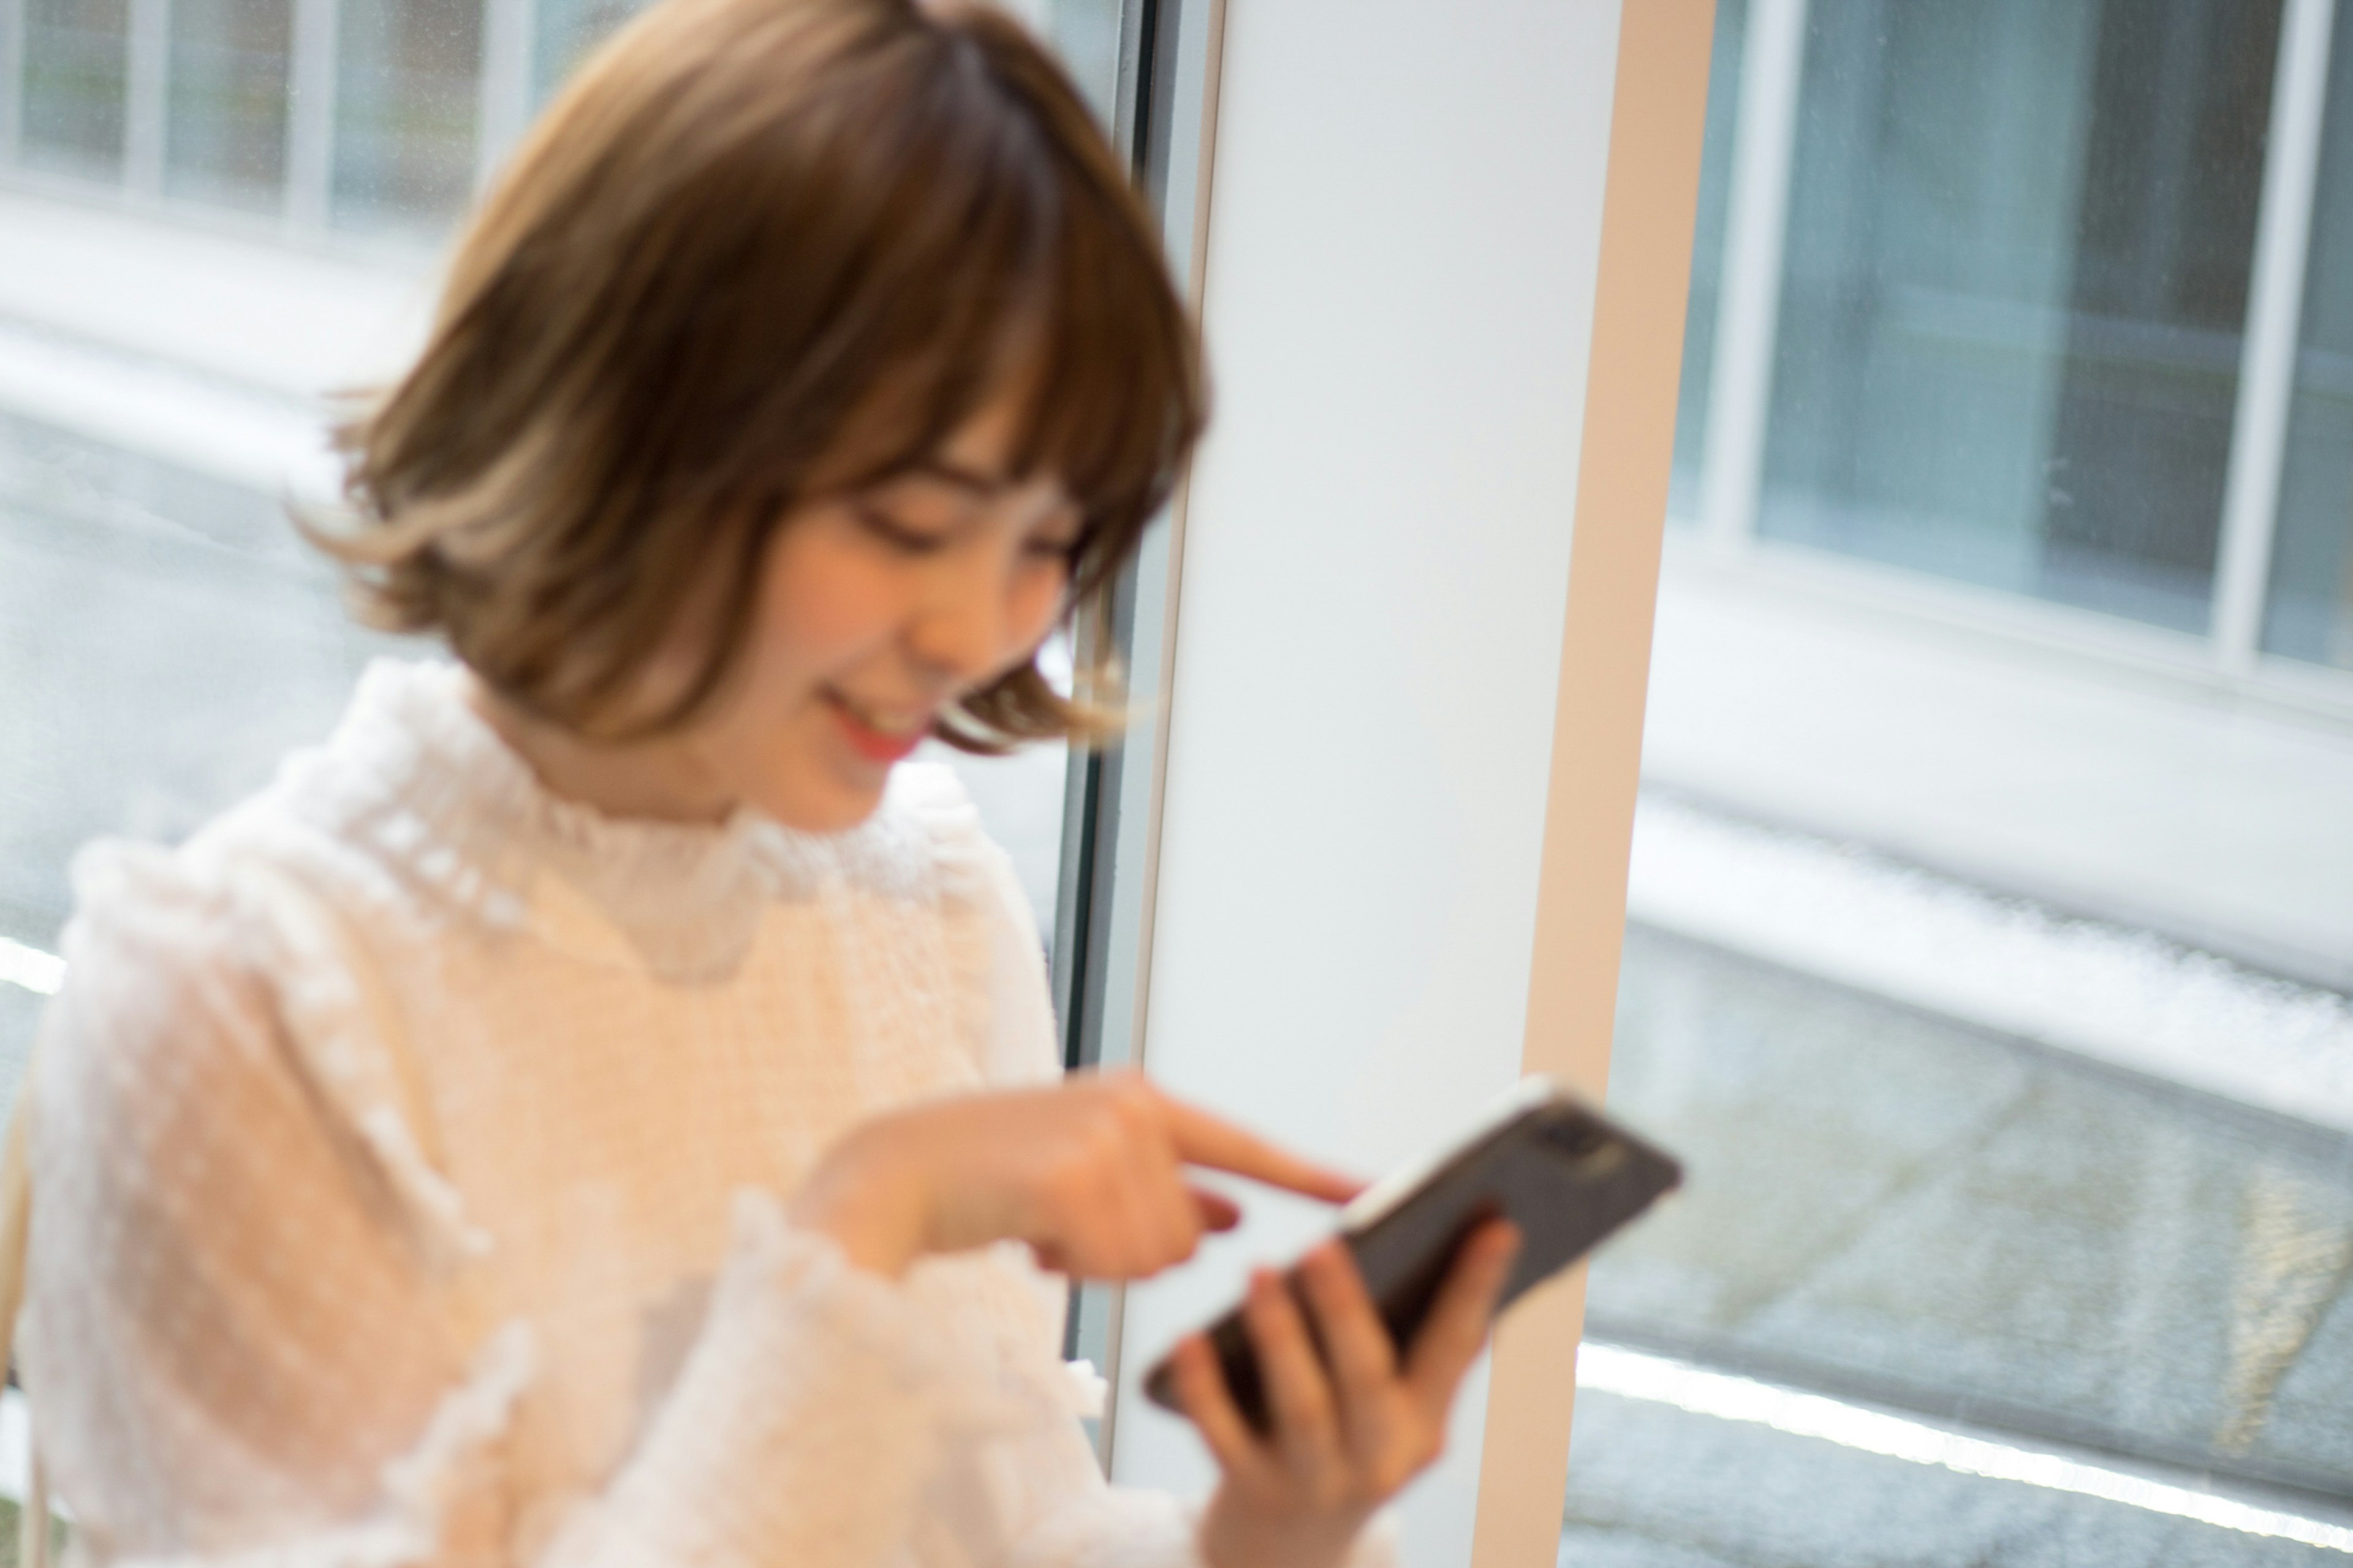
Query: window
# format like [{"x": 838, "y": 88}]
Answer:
[
  {"x": 2309, "y": 612},
  {"x": 2018, "y": 245},
  {"x": 2030, "y": 281},
  {"x": 225, "y": 101},
  {"x": 1982, "y": 951},
  {"x": 74, "y": 92},
  {"x": 408, "y": 82}
]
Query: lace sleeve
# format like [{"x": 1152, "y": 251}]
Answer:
[
  {"x": 232, "y": 1336},
  {"x": 241, "y": 1347}
]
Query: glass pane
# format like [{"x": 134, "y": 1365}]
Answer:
[
  {"x": 1085, "y": 33},
  {"x": 1707, "y": 259},
  {"x": 2020, "y": 235},
  {"x": 2310, "y": 612},
  {"x": 1931, "y": 1215},
  {"x": 567, "y": 30},
  {"x": 405, "y": 91},
  {"x": 2019, "y": 1230},
  {"x": 2000, "y": 1241},
  {"x": 225, "y": 133},
  {"x": 167, "y": 639},
  {"x": 76, "y": 55}
]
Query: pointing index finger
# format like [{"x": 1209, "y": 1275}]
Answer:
[{"x": 1202, "y": 1139}]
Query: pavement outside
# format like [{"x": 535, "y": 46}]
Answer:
[
  {"x": 1654, "y": 1487},
  {"x": 1887, "y": 1207}
]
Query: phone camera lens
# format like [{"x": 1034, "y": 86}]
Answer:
[{"x": 1575, "y": 1139}]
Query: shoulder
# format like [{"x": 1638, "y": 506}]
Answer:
[
  {"x": 244, "y": 900},
  {"x": 166, "y": 1021},
  {"x": 295, "y": 848},
  {"x": 156, "y": 925},
  {"x": 215, "y": 1015},
  {"x": 175, "y": 956}
]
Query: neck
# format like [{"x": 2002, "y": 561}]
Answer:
[{"x": 658, "y": 779}]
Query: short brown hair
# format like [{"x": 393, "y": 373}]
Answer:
[{"x": 757, "y": 250}]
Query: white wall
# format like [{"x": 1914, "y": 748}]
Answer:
[{"x": 1404, "y": 231}]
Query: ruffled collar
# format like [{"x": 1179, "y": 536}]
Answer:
[{"x": 421, "y": 776}]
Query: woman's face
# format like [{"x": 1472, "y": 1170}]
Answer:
[{"x": 876, "y": 610}]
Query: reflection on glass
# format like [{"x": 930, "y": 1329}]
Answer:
[
  {"x": 1085, "y": 34},
  {"x": 2018, "y": 243},
  {"x": 226, "y": 120},
  {"x": 76, "y": 55},
  {"x": 1707, "y": 259},
  {"x": 1928, "y": 1215},
  {"x": 406, "y": 92},
  {"x": 2309, "y": 614},
  {"x": 565, "y": 30},
  {"x": 170, "y": 637}
]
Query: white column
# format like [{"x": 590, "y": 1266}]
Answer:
[
  {"x": 148, "y": 69},
  {"x": 1401, "y": 262},
  {"x": 2274, "y": 312},
  {"x": 310, "y": 117},
  {"x": 1748, "y": 300}
]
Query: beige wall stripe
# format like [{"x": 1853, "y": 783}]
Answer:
[{"x": 1656, "y": 120}]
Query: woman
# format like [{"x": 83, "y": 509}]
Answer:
[{"x": 597, "y": 1109}]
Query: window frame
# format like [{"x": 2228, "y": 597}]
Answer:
[{"x": 1721, "y": 541}]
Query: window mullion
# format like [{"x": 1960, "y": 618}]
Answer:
[
  {"x": 311, "y": 117},
  {"x": 2274, "y": 312},
  {"x": 149, "y": 44},
  {"x": 1166, "y": 75},
  {"x": 12, "y": 78},
  {"x": 1748, "y": 304},
  {"x": 505, "y": 103}
]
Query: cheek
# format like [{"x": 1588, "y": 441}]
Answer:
[
  {"x": 823, "y": 607},
  {"x": 1036, "y": 605}
]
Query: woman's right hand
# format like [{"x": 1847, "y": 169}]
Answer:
[{"x": 1090, "y": 1174}]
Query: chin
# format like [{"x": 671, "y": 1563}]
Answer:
[{"x": 831, "y": 808}]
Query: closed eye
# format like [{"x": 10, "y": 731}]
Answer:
[{"x": 899, "y": 535}]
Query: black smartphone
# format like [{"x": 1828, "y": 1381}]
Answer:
[{"x": 1562, "y": 1172}]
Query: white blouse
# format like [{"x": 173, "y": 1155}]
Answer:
[{"x": 407, "y": 1171}]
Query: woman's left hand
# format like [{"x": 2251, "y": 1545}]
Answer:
[{"x": 1346, "y": 1437}]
